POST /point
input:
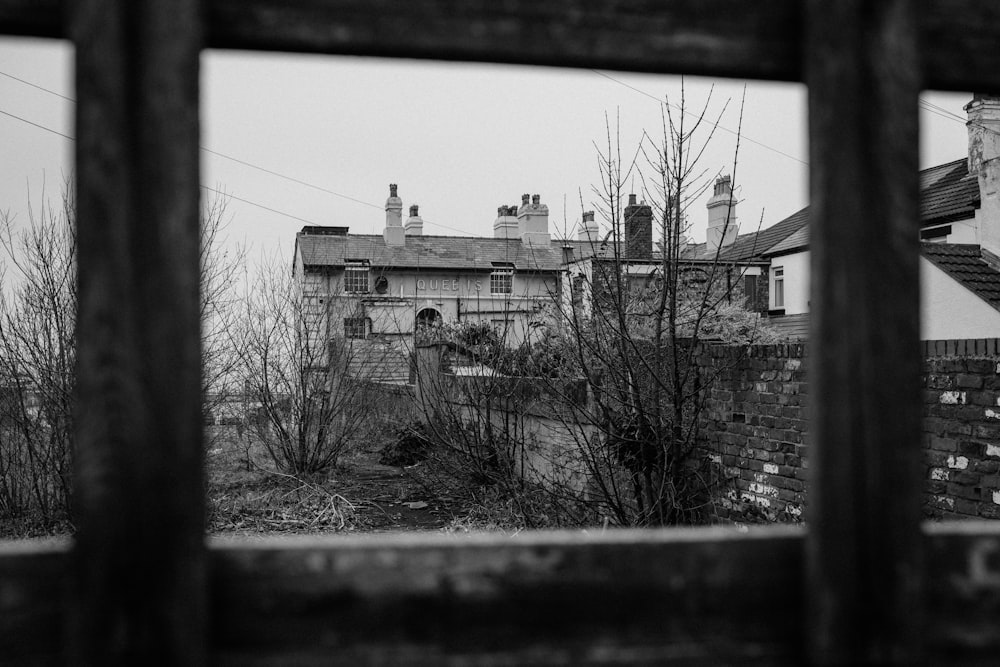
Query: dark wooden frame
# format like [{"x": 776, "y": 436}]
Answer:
[{"x": 866, "y": 584}]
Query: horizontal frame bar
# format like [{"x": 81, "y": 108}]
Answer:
[
  {"x": 702, "y": 596},
  {"x": 727, "y": 38}
]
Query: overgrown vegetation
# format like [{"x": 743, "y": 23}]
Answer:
[
  {"x": 614, "y": 372},
  {"x": 38, "y": 306}
]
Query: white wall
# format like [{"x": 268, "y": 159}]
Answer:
[
  {"x": 948, "y": 310},
  {"x": 796, "y": 266}
]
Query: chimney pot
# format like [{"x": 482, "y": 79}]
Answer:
[
  {"x": 536, "y": 199},
  {"x": 413, "y": 210},
  {"x": 588, "y": 216},
  {"x": 631, "y": 200},
  {"x": 524, "y": 199},
  {"x": 392, "y": 190}
]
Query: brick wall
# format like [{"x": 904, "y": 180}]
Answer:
[
  {"x": 962, "y": 428},
  {"x": 755, "y": 428}
]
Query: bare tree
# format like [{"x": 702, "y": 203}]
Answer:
[
  {"x": 37, "y": 359},
  {"x": 636, "y": 334},
  {"x": 303, "y": 378},
  {"x": 38, "y": 306},
  {"x": 222, "y": 264}
]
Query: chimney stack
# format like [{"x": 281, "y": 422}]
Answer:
[
  {"x": 638, "y": 230},
  {"x": 414, "y": 224},
  {"x": 393, "y": 234},
  {"x": 533, "y": 222},
  {"x": 505, "y": 226},
  {"x": 588, "y": 230},
  {"x": 984, "y": 163},
  {"x": 722, "y": 227}
]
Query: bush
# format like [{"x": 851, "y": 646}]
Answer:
[{"x": 410, "y": 446}]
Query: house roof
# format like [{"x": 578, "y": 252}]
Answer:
[
  {"x": 966, "y": 264},
  {"x": 753, "y": 245},
  {"x": 948, "y": 192},
  {"x": 430, "y": 252},
  {"x": 796, "y": 241}
]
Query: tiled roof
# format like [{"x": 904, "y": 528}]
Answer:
[
  {"x": 795, "y": 241},
  {"x": 948, "y": 192},
  {"x": 754, "y": 245},
  {"x": 965, "y": 263},
  {"x": 430, "y": 252}
]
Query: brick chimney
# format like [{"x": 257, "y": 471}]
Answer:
[
  {"x": 589, "y": 229},
  {"x": 984, "y": 163},
  {"x": 393, "y": 233},
  {"x": 414, "y": 224},
  {"x": 505, "y": 226},
  {"x": 722, "y": 227},
  {"x": 533, "y": 222},
  {"x": 638, "y": 230}
]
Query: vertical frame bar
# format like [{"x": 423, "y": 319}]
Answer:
[
  {"x": 139, "y": 559},
  {"x": 864, "y": 558}
]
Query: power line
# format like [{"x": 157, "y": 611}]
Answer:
[
  {"x": 214, "y": 152},
  {"x": 717, "y": 125},
  {"x": 231, "y": 196},
  {"x": 36, "y": 86},
  {"x": 40, "y": 127}
]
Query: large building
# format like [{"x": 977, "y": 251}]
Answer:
[
  {"x": 383, "y": 288},
  {"x": 959, "y": 230}
]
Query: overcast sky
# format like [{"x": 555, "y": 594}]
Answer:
[{"x": 458, "y": 139}]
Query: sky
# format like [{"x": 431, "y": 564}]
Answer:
[{"x": 315, "y": 140}]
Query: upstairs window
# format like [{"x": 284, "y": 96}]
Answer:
[
  {"x": 356, "y": 277},
  {"x": 502, "y": 279}
]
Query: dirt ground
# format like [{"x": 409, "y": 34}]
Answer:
[{"x": 359, "y": 495}]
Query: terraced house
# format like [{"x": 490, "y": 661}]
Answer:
[
  {"x": 959, "y": 230},
  {"x": 376, "y": 291}
]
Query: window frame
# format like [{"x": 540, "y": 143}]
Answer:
[
  {"x": 357, "y": 274},
  {"x": 778, "y": 287},
  {"x": 137, "y": 160},
  {"x": 502, "y": 279},
  {"x": 352, "y": 325}
]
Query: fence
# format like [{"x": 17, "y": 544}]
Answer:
[
  {"x": 757, "y": 426},
  {"x": 864, "y": 585}
]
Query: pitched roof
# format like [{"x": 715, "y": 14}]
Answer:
[
  {"x": 430, "y": 252},
  {"x": 948, "y": 192},
  {"x": 966, "y": 264},
  {"x": 754, "y": 245}
]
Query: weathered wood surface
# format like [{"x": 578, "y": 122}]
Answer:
[
  {"x": 864, "y": 566},
  {"x": 963, "y": 593},
  {"x": 139, "y": 563},
  {"x": 760, "y": 40},
  {"x": 697, "y": 597},
  {"x": 32, "y": 18},
  {"x": 689, "y": 597},
  {"x": 34, "y": 594}
]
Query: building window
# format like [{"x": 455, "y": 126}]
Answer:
[
  {"x": 779, "y": 287},
  {"x": 750, "y": 302},
  {"x": 936, "y": 234},
  {"x": 356, "y": 327},
  {"x": 502, "y": 279},
  {"x": 579, "y": 285},
  {"x": 356, "y": 277}
]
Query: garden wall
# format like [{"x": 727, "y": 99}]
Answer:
[{"x": 756, "y": 429}]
